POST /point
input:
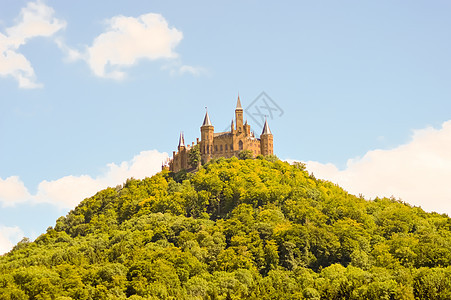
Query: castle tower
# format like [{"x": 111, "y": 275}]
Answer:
[
  {"x": 183, "y": 154},
  {"x": 247, "y": 129},
  {"x": 206, "y": 141},
  {"x": 266, "y": 140},
  {"x": 181, "y": 142},
  {"x": 239, "y": 115}
]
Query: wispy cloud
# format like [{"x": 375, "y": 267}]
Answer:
[
  {"x": 418, "y": 172},
  {"x": 177, "y": 68},
  {"x": 185, "y": 69},
  {"x": 68, "y": 191},
  {"x": 35, "y": 20}
]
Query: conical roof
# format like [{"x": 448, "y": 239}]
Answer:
[
  {"x": 181, "y": 140},
  {"x": 207, "y": 121},
  {"x": 266, "y": 129},
  {"x": 238, "y": 103}
]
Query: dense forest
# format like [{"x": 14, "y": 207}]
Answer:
[{"x": 235, "y": 229}]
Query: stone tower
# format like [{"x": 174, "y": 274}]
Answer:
[
  {"x": 180, "y": 158},
  {"x": 266, "y": 140},
  {"x": 239, "y": 115},
  {"x": 206, "y": 139}
]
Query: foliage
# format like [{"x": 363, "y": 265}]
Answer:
[
  {"x": 235, "y": 229},
  {"x": 194, "y": 157},
  {"x": 245, "y": 154}
]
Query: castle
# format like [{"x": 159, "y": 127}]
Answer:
[{"x": 222, "y": 144}]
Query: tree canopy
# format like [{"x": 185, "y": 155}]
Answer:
[{"x": 235, "y": 229}]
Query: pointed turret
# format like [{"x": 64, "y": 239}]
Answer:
[
  {"x": 181, "y": 140},
  {"x": 266, "y": 140},
  {"x": 247, "y": 129},
  {"x": 206, "y": 138},
  {"x": 207, "y": 121},
  {"x": 238, "y": 103},
  {"x": 266, "y": 129},
  {"x": 239, "y": 115}
]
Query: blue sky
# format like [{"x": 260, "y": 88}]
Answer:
[{"x": 95, "y": 92}]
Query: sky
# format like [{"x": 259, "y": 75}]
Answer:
[{"x": 95, "y": 92}]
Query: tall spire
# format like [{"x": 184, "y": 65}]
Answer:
[
  {"x": 206, "y": 119},
  {"x": 266, "y": 129},
  {"x": 181, "y": 140},
  {"x": 238, "y": 103}
]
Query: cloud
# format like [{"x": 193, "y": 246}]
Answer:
[
  {"x": 196, "y": 71},
  {"x": 9, "y": 236},
  {"x": 176, "y": 68},
  {"x": 71, "y": 54},
  {"x": 418, "y": 172},
  {"x": 126, "y": 41},
  {"x": 35, "y": 20},
  {"x": 13, "y": 190},
  {"x": 68, "y": 191}
]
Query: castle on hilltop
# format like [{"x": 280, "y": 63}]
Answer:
[{"x": 222, "y": 144}]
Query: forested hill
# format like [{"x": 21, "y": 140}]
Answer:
[{"x": 236, "y": 229}]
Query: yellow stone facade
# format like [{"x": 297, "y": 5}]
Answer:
[{"x": 223, "y": 144}]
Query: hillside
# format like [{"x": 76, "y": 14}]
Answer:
[{"x": 236, "y": 229}]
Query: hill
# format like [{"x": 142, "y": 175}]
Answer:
[{"x": 236, "y": 229}]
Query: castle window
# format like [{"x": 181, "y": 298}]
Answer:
[
  {"x": 216, "y": 148},
  {"x": 240, "y": 145},
  {"x": 231, "y": 147},
  {"x": 226, "y": 147},
  {"x": 220, "y": 148}
]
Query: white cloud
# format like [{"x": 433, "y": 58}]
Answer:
[
  {"x": 192, "y": 70},
  {"x": 9, "y": 236},
  {"x": 176, "y": 68},
  {"x": 13, "y": 191},
  {"x": 68, "y": 191},
  {"x": 35, "y": 20},
  {"x": 418, "y": 172},
  {"x": 127, "y": 40},
  {"x": 71, "y": 54}
]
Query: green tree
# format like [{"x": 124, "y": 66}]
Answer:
[
  {"x": 194, "y": 157},
  {"x": 271, "y": 255},
  {"x": 234, "y": 229},
  {"x": 245, "y": 154}
]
